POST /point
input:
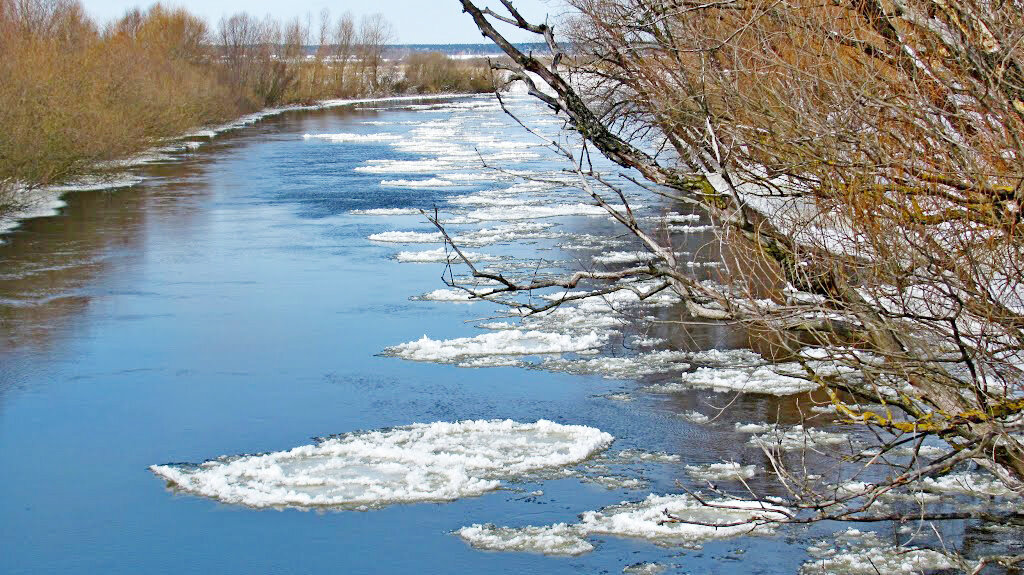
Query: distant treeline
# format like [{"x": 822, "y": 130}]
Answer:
[{"x": 74, "y": 94}]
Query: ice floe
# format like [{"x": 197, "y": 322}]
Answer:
[
  {"x": 427, "y": 183},
  {"x": 799, "y": 437},
  {"x": 422, "y": 462},
  {"x": 695, "y": 417},
  {"x": 624, "y": 257},
  {"x": 670, "y": 519},
  {"x": 780, "y": 379},
  {"x": 403, "y": 166},
  {"x": 449, "y": 295},
  {"x": 629, "y": 367},
  {"x": 353, "y": 138},
  {"x": 386, "y": 212},
  {"x": 754, "y": 427},
  {"x": 557, "y": 539},
  {"x": 407, "y": 237},
  {"x": 966, "y": 483},
  {"x": 644, "y": 568},
  {"x": 537, "y": 212},
  {"x": 721, "y": 471},
  {"x": 864, "y": 553},
  {"x": 508, "y": 342},
  {"x": 441, "y": 255}
]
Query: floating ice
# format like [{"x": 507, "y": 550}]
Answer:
[
  {"x": 613, "y": 482},
  {"x": 422, "y": 462},
  {"x": 353, "y": 138},
  {"x": 974, "y": 484},
  {"x": 679, "y": 218},
  {"x": 623, "y": 257},
  {"x": 511, "y": 213},
  {"x": 864, "y": 553},
  {"x": 403, "y": 166},
  {"x": 754, "y": 427},
  {"x": 386, "y": 212},
  {"x": 407, "y": 237},
  {"x": 449, "y": 295},
  {"x": 798, "y": 437},
  {"x": 557, "y": 539},
  {"x": 506, "y": 233},
  {"x": 695, "y": 417},
  {"x": 721, "y": 471},
  {"x": 644, "y": 568},
  {"x": 629, "y": 367},
  {"x": 690, "y": 229},
  {"x": 441, "y": 255},
  {"x": 428, "y": 183},
  {"x": 762, "y": 379},
  {"x": 641, "y": 456},
  {"x": 679, "y": 519},
  {"x": 508, "y": 342}
]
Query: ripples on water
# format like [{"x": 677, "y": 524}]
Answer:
[{"x": 232, "y": 303}]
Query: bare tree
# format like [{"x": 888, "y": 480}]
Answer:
[
  {"x": 863, "y": 162},
  {"x": 375, "y": 33},
  {"x": 345, "y": 41}
]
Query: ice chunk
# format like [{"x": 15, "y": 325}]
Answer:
[
  {"x": 966, "y": 483},
  {"x": 679, "y": 519},
  {"x": 864, "y": 553},
  {"x": 630, "y": 367},
  {"x": 428, "y": 183},
  {"x": 506, "y": 342},
  {"x": 762, "y": 379},
  {"x": 721, "y": 471},
  {"x": 422, "y": 462},
  {"x": 407, "y": 237},
  {"x": 387, "y": 212},
  {"x": 441, "y": 255},
  {"x": 403, "y": 166},
  {"x": 624, "y": 257},
  {"x": 535, "y": 212},
  {"x": 644, "y": 568},
  {"x": 449, "y": 295},
  {"x": 557, "y": 539},
  {"x": 754, "y": 427},
  {"x": 695, "y": 417},
  {"x": 353, "y": 138},
  {"x": 798, "y": 437}
]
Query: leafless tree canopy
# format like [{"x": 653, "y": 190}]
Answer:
[{"x": 864, "y": 159}]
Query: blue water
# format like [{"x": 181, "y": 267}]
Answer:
[{"x": 230, "y": 304}]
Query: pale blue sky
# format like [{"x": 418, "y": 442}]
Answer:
[{"x": 415, "y": 21}]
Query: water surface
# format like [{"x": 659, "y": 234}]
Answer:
[{"x": 231, "y": 304}]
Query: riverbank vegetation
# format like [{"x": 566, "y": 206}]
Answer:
[
  {"x": 862, "y": 163},
  {"x": 76, "y": 95}
]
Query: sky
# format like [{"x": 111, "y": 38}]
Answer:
[{"x": 414, "y": 21}]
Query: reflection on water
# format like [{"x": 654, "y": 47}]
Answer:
[{"x": 229, "y": 304}]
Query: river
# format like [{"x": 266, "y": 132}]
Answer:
[{"x": 231, "y": 303}]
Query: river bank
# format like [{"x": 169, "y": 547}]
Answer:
[
  {"x": 48, "y": 200},
  {"x": 281, "y": 284}
]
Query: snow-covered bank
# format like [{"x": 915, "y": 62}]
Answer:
[{"x": 48, "y": 200}]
